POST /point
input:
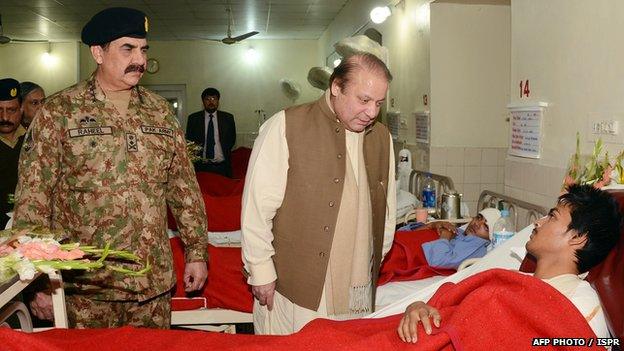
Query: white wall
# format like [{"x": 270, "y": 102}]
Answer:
[
  {"x": 24, "y": 63},
  {"x": 569, "y": 50},
  {"x": 244, "y": 87},
  {"x": 470, "y": 63}
]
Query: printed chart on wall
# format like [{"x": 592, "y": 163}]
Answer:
[
  {"x": 422, "y": 126},
  {"x": 526, "y": 130},
  {"x": 394, "y": 123}
]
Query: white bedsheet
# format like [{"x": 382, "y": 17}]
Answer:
[
  {"x": 501, "y": 257},
  {"x": 394, "y": 291}
]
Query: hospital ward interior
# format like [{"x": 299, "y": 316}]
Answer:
[{"x": 466, "y": 191}]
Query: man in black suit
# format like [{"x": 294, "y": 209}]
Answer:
[{"x": 215, "y": 132}]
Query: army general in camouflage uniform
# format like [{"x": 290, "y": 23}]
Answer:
[{"x": 102, "y": 161}]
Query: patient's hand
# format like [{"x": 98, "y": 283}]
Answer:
[
  {"x": 446, "y": 234},
  {"x": 414, "y": 313},
  {"x": 443, "y": 227},
  {"x": 264, "y": 294}
]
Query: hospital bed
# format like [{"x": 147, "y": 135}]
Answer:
[
  {"x": 606, "y": 278},
  {"x": 522, "y": 212},
  {"x": 226, "y": 298}
]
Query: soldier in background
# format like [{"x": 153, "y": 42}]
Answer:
[
  {"x": 33, "y": 97},
  {"x": 101, "y": 162},
  {"x": 11, "y": 138}
]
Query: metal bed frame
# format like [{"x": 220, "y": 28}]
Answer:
[
  {"x": 443, "y": 184},
  {"x": 521, "y": 211},
  {"x": 531, "y": 211}
]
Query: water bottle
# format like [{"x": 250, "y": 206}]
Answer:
[
  {"x": 429, "y": 193},
  {"x": 503, "y": 229}
]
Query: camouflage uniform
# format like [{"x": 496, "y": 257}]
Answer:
[
  {"x": 88, "y": 313},
  {"x": 107, "y": 178}
]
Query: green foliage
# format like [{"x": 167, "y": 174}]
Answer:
[{"x": 588, "y": 170}]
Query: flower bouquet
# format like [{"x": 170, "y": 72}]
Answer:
[
  {"x": 593, "y": 169},
  {"x": 194, "y": 152},
  {"x": 618, "y": 171},
  {"x": 25, "y": 252}
]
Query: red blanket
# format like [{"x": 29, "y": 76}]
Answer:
[
  {"x": 406, "y": 259},
  {"x": 226, "y": 286},
  {"x": 222, "y": 198},
  {"x": 496, "y": 309}
]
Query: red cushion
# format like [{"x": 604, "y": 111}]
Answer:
[
  {"x": 188, "y": 303},
  {"x": 240, "y": 160},
  {"x": 223, "y": 212},
  {"x": 171, "y": 223},
  {"x": 218, "y": 185},
  {"x": 226, "y": 286},
  {"x": 222, "y": 199},
  {"x": 606, "y": 278}
]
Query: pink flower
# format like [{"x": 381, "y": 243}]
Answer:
[
  {"x": 5, "y": 250},
  {"x": 70, "y": 255},
  {"x": 606, "y": 178},
  {"x": 38, "y": 250},
  {"x": 568, "y": 180}
]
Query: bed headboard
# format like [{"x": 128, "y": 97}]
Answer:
[
  {"x": 607, "y": 279},
  {"x": 522, "y": 212},
  {"x": 417, "y": 180}
]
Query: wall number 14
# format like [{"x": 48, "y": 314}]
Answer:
[{"x": 524, "y": 88}]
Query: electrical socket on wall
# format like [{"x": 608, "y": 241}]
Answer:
[
  {"x": 403, "y": 123},
  {"x": 609, "y": 127}
]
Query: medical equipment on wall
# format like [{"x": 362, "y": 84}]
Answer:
[{"x": 404, "y": 169}]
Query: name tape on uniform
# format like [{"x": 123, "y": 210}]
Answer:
[
  {"x": 80, "y": 132},
  {"x": 157, "y": 130}
]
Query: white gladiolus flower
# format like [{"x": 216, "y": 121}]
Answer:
[
  {"x": 46, "y": 269},
  {"x": 25, "y": 269}
]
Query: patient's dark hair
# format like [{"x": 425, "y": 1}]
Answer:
[
  {"x": 595, "y": 215},
  {"x": 345, "y": 70}
]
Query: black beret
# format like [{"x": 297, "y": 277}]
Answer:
[
  {"x": 9, "y": 89},
  {"x": 114, "y": 23}
]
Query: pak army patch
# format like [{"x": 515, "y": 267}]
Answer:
[
  {"x": 131, "y": 142},
  {"x": 157, "y": 130}
]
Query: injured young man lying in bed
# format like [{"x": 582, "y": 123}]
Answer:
[
  {"x": 575, "y": 236},
  {"x": 458, "y": 244}
]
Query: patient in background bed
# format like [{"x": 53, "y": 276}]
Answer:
[
  {"x": 456, "y": 244},
  {"x": 576, "y": 235}
]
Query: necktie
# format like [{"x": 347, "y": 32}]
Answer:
[{"x": 210, "y": 141}]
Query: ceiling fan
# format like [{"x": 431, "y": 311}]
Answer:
[
  {"x": 233, "y": 40},
  {"x": 5, "y": 40}
]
